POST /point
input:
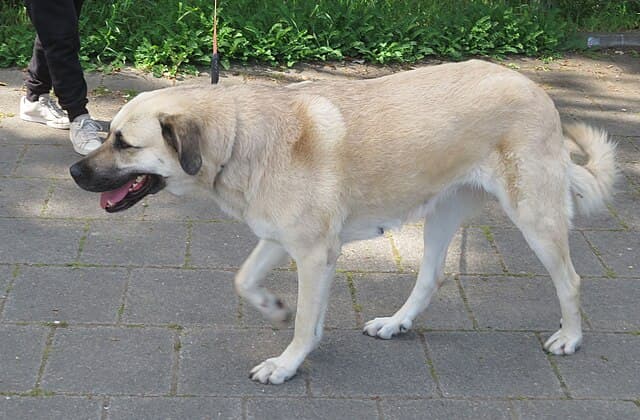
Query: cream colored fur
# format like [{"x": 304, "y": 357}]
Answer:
[{"x": 315, "y": 165}]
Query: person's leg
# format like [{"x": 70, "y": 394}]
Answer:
[
  {"x": 56, "y": 23},
  {"x": 36, "y": 105},
  {"x": 38, "y": 80}
]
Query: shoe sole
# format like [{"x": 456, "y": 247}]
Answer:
[
  {"x": 82, "y": 151},
  {"x": 53, "y": 124}
]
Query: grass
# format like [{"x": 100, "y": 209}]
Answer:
[
  {"x": 56, "y": 324},
  {"x": 167, "y": 36}
]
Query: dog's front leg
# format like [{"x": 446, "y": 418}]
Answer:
[
  {"x": 315, "y": 274},
  {"x": 266, "y": 256}
]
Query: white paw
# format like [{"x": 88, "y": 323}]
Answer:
[
  {"x": 386, "y": 327},
  {"x": 272, "y": 371},
  {"x": 275, "y": 310},
  {"x": 563, "y": 342}
]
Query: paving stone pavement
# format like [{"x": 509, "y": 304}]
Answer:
[{"x": 133, "y": 316}]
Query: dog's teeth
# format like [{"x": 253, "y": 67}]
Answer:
[{"x": 139, "y": 178}]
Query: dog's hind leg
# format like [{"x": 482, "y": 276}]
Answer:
[
  {"x": 440, "y": 226},
  {"x": 546, "y": 230},
  {"x": 265, "y": 256},
  {"x": 539, "y": 203}
]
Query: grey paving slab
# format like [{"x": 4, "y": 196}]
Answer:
[
  {"x": 631, "y": 172},
  {"x": 217, "y": 362},
  {"x": 626, "y": 204},
  {"x": 600, "y": 220},
  {"x": 619, "y": 250},
  {"x": 627, "y": 152},
  {"x": 617, "y": 123},
  {"x": 612, "y": 304},
  {"x": 47, "y": 294},
  {"x": 609, "y": 98},
  {"x": 284, "y": 284},
  {"x": 70, "y": 201},
  {"x": 135, "y": 243},
  {"x": 174, "y": 408},
  {"x": 104, "y": 107},
  {"x": 469, "y": 251},
  {"x": 576, "y": 410},
  {"x": 164, "y": 206},
  {"x": 17, "y": 132},
  {"x": 38, "y": 241},
  {"x": 380, "y": 295},
  {"x": 47, "y": 161},
  {"x": 519, "y": 258},
  {"x": 180, "y": 296},
  {"x": 490, "y": 215},
  {"x": 350, "y": 364},
  {"x": 13, "y": 77},
  {"x": 50, "y": 408},
  {"x": 490, "y": 365},
  {"x": 634, "y": 178},
  {"x": 569, "y": 101},
  {"x": 9, "y": 155},
  {"x": 131, "y": 79},
  {"x": 21, "y": 349},
  {"x": 93, "y": 79},
  {"x": 110, "y": 360},
  {"x": 629, "y": 160},
  {"x": 606, "y": 366},
  {"x": 445, "y": 409},
  {"x": 310, "y": 408},
  {"x": 23, "y": 197},
  {"x": 370, "y": 255},
  {"x": 342, "y": 378},
  {"x": 629, "y": 181},
  {"x": 513, "y": 303},
  {"x": 221, "y": 245},
  {"x": 6, "y": 277}
]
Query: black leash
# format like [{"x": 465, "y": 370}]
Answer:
[{"x": 215, "y": 62}]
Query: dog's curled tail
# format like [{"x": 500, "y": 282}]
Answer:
[{"x": 594, "y": 174}]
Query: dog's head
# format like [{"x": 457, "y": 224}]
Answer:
[{"x": 146, "y": 150}]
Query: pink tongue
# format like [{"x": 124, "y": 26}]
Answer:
[{"x": 115, "y": 196}]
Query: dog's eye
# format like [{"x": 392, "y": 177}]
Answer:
[
  {"x": 119, "y": 143},
  {"x": 122, "y": 145}
]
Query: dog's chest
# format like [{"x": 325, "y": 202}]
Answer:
[{"x": 263, "y": 230}]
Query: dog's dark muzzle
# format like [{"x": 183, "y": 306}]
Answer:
[
  {"x": 91, "y": 178},
  {"x": 120, "y": 190}
]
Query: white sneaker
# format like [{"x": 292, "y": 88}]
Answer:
[
  {"x": 44, "y": 111},
  {"x": 84, "y": 134}
]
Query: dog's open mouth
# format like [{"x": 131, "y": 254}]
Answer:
[{"x": 131, "y": 192}]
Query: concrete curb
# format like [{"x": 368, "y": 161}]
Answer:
[{"x": 613, "y": 40}]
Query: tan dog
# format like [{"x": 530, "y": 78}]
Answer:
[{"x": 316, "y": 165}]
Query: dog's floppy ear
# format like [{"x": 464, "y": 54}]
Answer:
[{"x": 184, "y": 134}]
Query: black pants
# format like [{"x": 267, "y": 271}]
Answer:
[{"x": 55, "y": 61}]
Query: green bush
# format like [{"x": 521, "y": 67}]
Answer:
[{"x": 172, "y": 35}]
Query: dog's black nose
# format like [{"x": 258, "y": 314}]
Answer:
[{"x": 76, "y": 171}]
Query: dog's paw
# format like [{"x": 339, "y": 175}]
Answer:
[
  {"x": 272, "y": 371},
  {"x": 386, "y": 327},
  {"x": 276, "y": 312},
  {"x": 563, "y": 342}
]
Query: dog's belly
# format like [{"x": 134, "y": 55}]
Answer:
[
  {"x": 367, "y": 228},
  {"x": 374, "y": 224}
]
